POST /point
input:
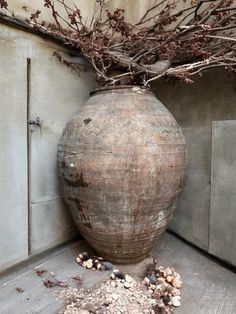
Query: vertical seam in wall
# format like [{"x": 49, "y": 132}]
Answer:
[
  {"x": 209, "y": 218},
  {"x": 29, "y": 152}
]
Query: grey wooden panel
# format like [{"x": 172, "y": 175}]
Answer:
[
  {"x": 56, "y": 93},
  {"x": 223, "y": 194},
  {"x": 191, "y": 217},
  {"x": 13, "y": 155}
]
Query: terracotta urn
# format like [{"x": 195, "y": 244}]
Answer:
[{"x": 122, "y": 162}]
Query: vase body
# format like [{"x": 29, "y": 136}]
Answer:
[{"x": 121, "y": 161}]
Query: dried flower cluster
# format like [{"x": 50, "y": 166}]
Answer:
[{"x": 165, "y": 42}]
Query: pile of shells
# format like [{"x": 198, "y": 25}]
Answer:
[
  {"x": 94, "y": 263},
  {"x": 110, "y": 297},
  {"x": 120, "y": 279},
  {"x": 165, "y": 284},
  {"x": 159, "y": 292}
]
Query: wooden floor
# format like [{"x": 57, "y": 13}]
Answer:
[{"x": 208, "y": 287}]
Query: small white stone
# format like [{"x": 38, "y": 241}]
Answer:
[
  {"x": 175, "y": 301},
  {"x": 177, "y": 275},
  {"x": 89, "y": 263},
  {"x": 169, "y": 278},
  {"x": 175, "y": 292},
  {"x": 113, "y": 284},
  {"x": 119, "y": 284},
  {"x": 168, "y": 271},
  {"x": 113, "y": 276},
  {"x": 146, "y": 281},
  {"x": 108, "y": 301},
  {"x": 99, "y": 266},
  {"x": 128, "y": 278},
  {"x": 150, "y": 291},
  {"x": 176, "y": 283},
  {"x": 78, "y": 260},
  {"x": 114, "y": 296},
  {"x": 159, "y": 287},
  {"x": 136, "y": 88},
  {"x": 153, "y": 301},
  {"x": 127, "y": 284}
]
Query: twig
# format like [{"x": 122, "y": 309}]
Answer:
[
  {"x": 110, "y": 43},
  {"x": 148, "y": 11},
  {"x": 221, "y": 37}
]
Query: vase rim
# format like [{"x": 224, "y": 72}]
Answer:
[{"x": 119, "y": 87}]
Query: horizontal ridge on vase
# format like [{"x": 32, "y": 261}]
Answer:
[{"x": 122, "y": 164}]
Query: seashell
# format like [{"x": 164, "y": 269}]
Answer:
[
  {"x": 175, "y": 301},
  {"x": 89, "y": 263},
  {"x": 128, "y": 278},
  {"x": 78, "y": 260},
  {"x": 127, "y": 284},
  {"x": 169, "y": 278},
  {"x": 176, "y": 283},
  {"x": 108, "y": 265},
  {"x": 146, "y": 281},
  {"x": 113, "y": 276},
  {"x": 153, "y": 279},
  {"x": 118, "y": 274}
]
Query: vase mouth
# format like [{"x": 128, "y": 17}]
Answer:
[{"x": 135, "y": 88}]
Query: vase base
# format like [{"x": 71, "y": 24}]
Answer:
[{"x": 125, "y": 261}]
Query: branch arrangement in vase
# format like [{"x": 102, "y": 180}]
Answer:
[{"x": 165, "y": 42}]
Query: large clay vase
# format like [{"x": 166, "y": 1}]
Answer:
[{"x": 121, "y": 161}]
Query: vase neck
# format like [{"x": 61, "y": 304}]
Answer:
[{"x": 131, "y": 88}]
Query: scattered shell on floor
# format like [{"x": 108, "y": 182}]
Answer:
[
  {"x": 157, "y": 293},
  {"x": 94, "y": 262},
  {"x": 107, "y": 299}
]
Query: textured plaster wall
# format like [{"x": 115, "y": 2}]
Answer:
[
  {"x": 202, "y": 217},
  {"x": 33, "y": 217},
  {"x": 134, "y": 9},
  {"x": 25, "y": 8}
]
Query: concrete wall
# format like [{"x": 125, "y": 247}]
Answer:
[
  {"x": 206, "y": 211},
  {"x": 13, "y": 156},
  {"x": 32, "y": 214},
  {"x": 134, "y": 9}
]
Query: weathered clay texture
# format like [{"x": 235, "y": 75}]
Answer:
[{"x": 122, "y": 161}]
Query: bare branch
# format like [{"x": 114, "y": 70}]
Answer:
[
  {"x": 142, "y": 20},
  {"x": 174, "y": 44}
]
